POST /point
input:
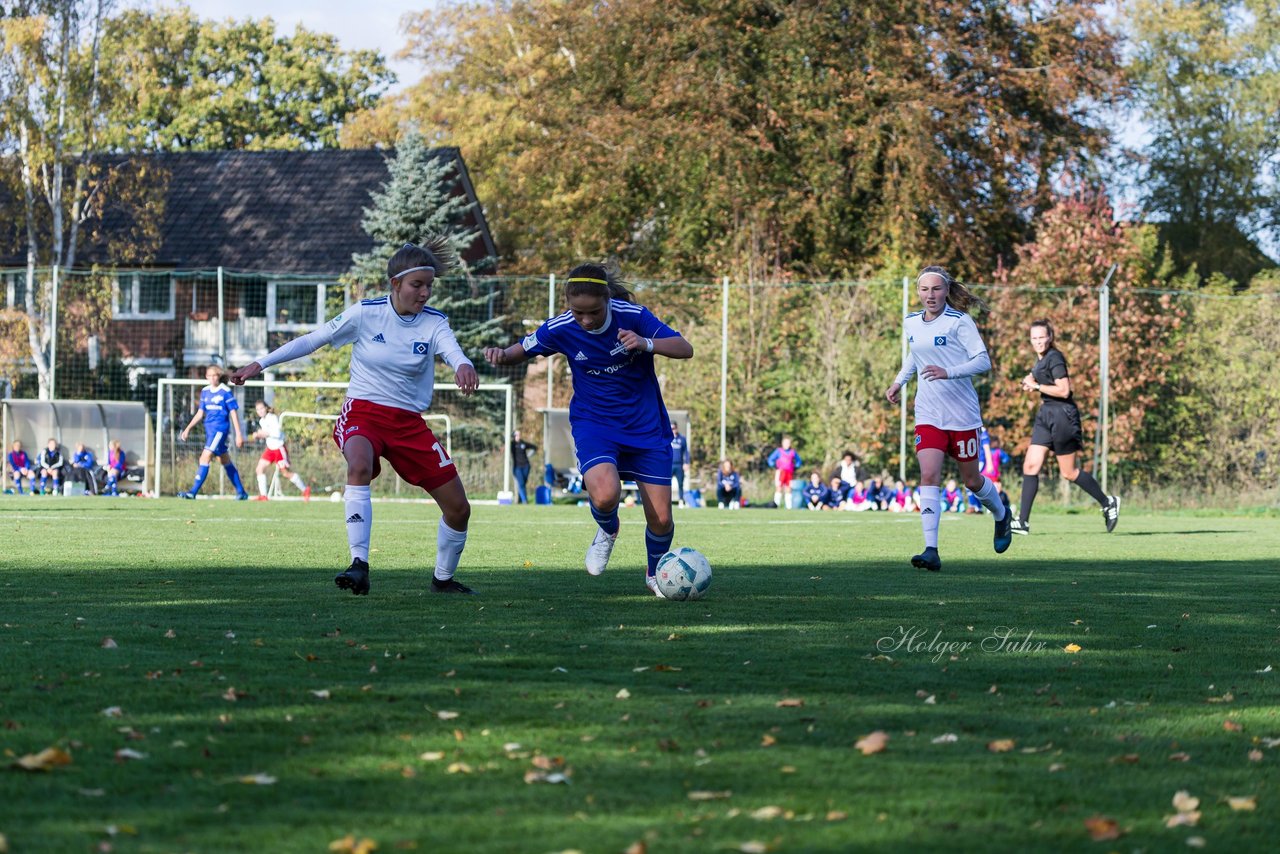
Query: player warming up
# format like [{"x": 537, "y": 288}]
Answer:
[
  {"x": 395, "y": 340},
  {"x": 946, "y": 350},
  {"x": 618, "y": 420},
  {"x": 271, "y": 431},
  {"x": 218, "y": 410},
  {"x": 1057, "y": 429}
]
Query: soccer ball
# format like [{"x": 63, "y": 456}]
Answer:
[{"x": 683, "y": 574}]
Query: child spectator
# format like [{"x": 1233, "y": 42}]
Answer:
[
  {"x": 20, "y": 466},
  {"x": 114, "y": 466},
  {"x": 848, "y": 472},
  {"x": 82, "y": 466},
  {"x": 813, "y": 491},
  {"x": 785, "y": 459},
  {"x": 951, "y": 497},
  {"x": 833, "y": 495},
  {"x": 857, "y": 500},
  {"x": 900, "y": 498},
  {"x": 50, "y": 461},
  {"x": 728, "y": 486}
]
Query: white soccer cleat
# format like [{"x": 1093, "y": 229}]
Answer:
[
  {"x": 598, "y": 553},
  {"x": 651, "y": 581}
]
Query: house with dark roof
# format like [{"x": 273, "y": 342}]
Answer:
[{"x": 223, "y": 255}]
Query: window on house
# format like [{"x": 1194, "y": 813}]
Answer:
[
  {"x": 14, "y": 290},
  {"x": 294, "y": 306},
  {"x": 143, "y": 296}
]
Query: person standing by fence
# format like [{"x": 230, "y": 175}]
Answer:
[{"x": 520, "y": 465}]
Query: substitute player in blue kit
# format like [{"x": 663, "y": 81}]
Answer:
[
  {"x": 946, "y": 350},
  {"x": 395, "y": 340},
  {"x": 218, "y": 409},
  {"x": 619, "y": 422}
]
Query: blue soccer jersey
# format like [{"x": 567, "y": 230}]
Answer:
[
  {"x": 218, "y": 404},
  {"x": 613, "y": 388}
]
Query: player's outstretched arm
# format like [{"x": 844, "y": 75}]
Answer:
[
  {"x": 304, "y": 345},
  {"x": 466, "y": 378},
  {"x": 513, "y": 355},
  {"x": 672, "y": 346}
]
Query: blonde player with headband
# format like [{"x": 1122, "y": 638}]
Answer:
[
  {"x": 946, "y": 350},
  {"x": 619, "y": 422},
  {"x": 395, "y": 340}
]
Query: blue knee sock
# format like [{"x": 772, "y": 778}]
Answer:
[
  {"x": 43, "y": 481},
  {"x": 656, "y": 545},
  {"x": 235, "y": 478},
  {"x": 608, "y": 522},
  {"x": 201, "y": 474}
]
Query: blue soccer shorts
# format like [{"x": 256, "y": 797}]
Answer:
[{"x": 651, "y": 464}]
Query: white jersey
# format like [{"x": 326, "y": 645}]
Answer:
[
  {"x": 951, "y": 340},
  {"x": 270, "y": 424}
]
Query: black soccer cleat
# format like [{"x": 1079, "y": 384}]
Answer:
[
  {"x": 1017, "y": 526},
  {"x": 928, "y": 559},
  {"x": 450, "y": 586},
  {"x": 354, "y": 578},
  {"x": 1004, "y": 530},
  {"x": 1111, "y": 512}
]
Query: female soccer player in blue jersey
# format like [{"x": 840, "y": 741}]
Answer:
[
  {"x": 946, "y": 350},
  {"x": 394, "y": 340},
  {"x": 218, "y": 411},
  {"x": 619, "y": 422}
]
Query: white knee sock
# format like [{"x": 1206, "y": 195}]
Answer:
[
  {"x": 989, "y": 495},
  {"x": 930, "y": 513},
  {"x": 296, "y": 480},
  {"x": 359, "y": 520},
  {"x": 777, "y": 499},
  {"x": 449, "y": 546},
  {"x": 262, "y": 484}
]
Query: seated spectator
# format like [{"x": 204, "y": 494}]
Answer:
[
  {"x": 812, "y": 492},
  {"x": 848, "y": 472},
  {"x": 951, "y": 497},
  {"x": 833, "y": 495},
  {"x": 728, "y": 486},
  {"x": 857, "y": 499},
  {"x": 875, "y": 493},
  {"x": 50, "y": 461},
  {"x": 82, "y": 468},
  {"x": 900, "y": 498},
  {"x": 20, "y": 466},
  {"x": 114, "y": 467},
  {"x": 914, "y": 489}
]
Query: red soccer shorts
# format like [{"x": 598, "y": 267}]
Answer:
[
  {"x": 960, "y": 445},
  {"x": 279, "y": 456},
  {"x": 784, "y": 477},
  {"x": 402, "y": 437}
]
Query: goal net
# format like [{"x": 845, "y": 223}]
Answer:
[{"x": 473, "y": 429}]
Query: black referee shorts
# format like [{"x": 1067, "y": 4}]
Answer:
[{"x": 1057, "y": 427}]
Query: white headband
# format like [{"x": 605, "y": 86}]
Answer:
[{"x": 404, "y": 273}]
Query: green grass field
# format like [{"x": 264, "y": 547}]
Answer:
[{"x": 417, "y": 721}]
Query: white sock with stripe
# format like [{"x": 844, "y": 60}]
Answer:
[
  {"x": 262, "y": 484},
  {"x": 989, "y": 495},
  {"x": 359, "y": 520},
  {"x": 930, "y": 505}
]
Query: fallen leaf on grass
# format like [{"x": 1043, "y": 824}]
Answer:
[
  {"x": 1001, "y": 745},
  {"x": 789, "y": 703},
  {"x": 704, "y": 795},
  {"x": 546, "y": 763},
  {"x": 259, "y": 779},
  {"x": 322, "y": 694},
  {"x": 1232, "y": 726},
  {"x": 113, "y": 711},
  {"x": 171, "y": 634},
  {"x": 767, "y": 740},
  {"x": 350, "y": 845},
  {"x": 1266, "y": 669},
  {"x": 1126, "y": 759},
  {"x": 1073, "y": 648},
  {"x": 753, "y": 847},
  {"x": 545, "y": 777},
  {"x": 109, "y": 643},
  {"x": 1179, "y": 757},
  {"x": 1195, "y": 841},
  {"x": 1184, "y": 801},
  {"x": 432, "y": 756},
  {"x": 45, "y": 760},
  {"x": 637, "y": 847},
  {"x": 125, "y": 753},
  {"x": 768, "y": 813},
  {"x": 946, "y": 738},
  {"x": 446, "y": 716},
  {"x": 873, "y": 743},
  {"x": 458, "y": 768},
  {"x": 1255, "y": 755},
  {"x": 1247, "y": 804},
  {"x": 837, "y": 815},
  {"x": 231, "y": 695},
  {"x": 4, "y": 844},
  {"x": 1056, "y": 767},
  {"x": 624, "y": 694},
  {"x": 1102, "y": 828}
]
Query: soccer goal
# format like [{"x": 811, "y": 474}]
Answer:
[{"x": 475, "y": 431}]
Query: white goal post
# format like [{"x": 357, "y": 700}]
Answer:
[{"x": 166, "y": 386}]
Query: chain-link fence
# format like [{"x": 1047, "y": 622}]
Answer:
[{"x": 1187, "y": 398}]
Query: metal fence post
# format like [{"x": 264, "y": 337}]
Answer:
[
  {"x": 1104, "y": 373},
  {"x": 222, "y": 322},
  {"x": 551, "y": 312},
  {"x": 724, "y": 365},
  {"x": 902, "y": 415},
  {"x": 53, "y": 341}
]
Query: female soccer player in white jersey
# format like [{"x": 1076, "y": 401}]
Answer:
[
  {"x": 1057, "y": 428},
  {"x": 619, "y": 422},
  {"x": 271, "y": 431},
  {"x": 946, "y": 350},
  {"x": 395, "y": 340}
]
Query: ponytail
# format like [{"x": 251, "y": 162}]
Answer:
[{"x": 959, "y": 296}]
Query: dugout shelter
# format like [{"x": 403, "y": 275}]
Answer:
[{"x": 89, "y": 422}]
